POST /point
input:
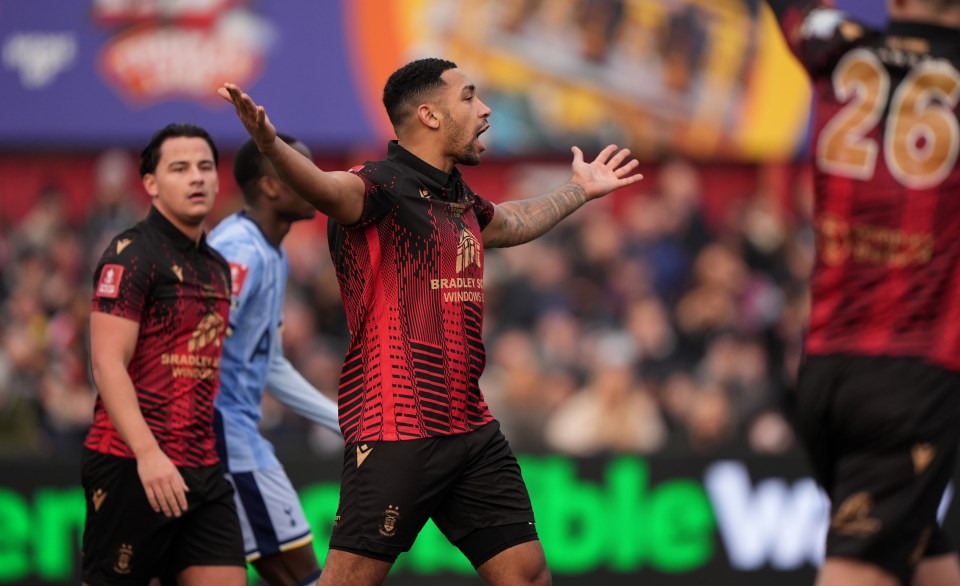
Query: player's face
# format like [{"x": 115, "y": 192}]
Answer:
[
  {"x": 290, "y": 206},
  {"x": 184, "y": 184},
  {"x": 465, "y": 118}
]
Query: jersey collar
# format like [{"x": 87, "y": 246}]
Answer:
[
  {"x": 397, "y": 153},
  {"x": 180, "y": 240},
  {"x": 243, "y": 215}
]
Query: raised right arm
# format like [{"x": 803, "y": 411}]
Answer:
[
  {"x": 815, "y": 31},
  {"x": 337, "y": 194}
]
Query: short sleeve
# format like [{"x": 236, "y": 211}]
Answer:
[
  {"x": 123, "y": 278},
  {"x": 484, "y": 210},
  {"x": 378, "y": 197}
]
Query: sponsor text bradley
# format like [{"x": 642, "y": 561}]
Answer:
[{"x": 191, "y": 365}]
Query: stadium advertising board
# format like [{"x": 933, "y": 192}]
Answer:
[
  {"x": 704, "y": 78},
  {"x": 609, "y": 521}
]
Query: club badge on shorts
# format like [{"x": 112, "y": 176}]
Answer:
[
  {"x": 123, "y": 559},
  {"x": 388, "y": 528}
]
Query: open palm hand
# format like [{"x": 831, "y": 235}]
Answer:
[
  {"x": 254, "y": 117},
  {"x": 606, "y": 173}
]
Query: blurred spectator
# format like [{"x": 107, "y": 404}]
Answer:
[
  {"x": 46, "y": 217},
  {"x": 710, "y": 422},
  {"x": 651, "y": 240},
  {"x": 676, "y": 395},
  {"x": 683, "y": 45},
  {"x": 709, "y": 306},
  {"x": 65, "y": 391},
  {"x": 600, "y": 22},
  {"x": 117, "y": 202},
  {"x": 680, "y": 190},
  {"x": 614, "y": 412},
  {"x": 517, "y": 388},
  {"x": 648, "y": 324},
  {"x": 21, "y": 434},
  {"x": 769, "y": 433}
]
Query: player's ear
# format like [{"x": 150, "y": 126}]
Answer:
[
  {"x": 150, "y": 184},
  {"x": 270, "y": 186},
  {"x": 427, "y": 113}
]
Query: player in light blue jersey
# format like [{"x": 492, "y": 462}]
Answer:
[{"x": 277, "y": 537}]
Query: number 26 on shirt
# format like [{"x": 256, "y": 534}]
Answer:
[{"x": 921, "y": 134}]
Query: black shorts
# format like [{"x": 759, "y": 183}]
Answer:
[
  {"x": 882, "y": 437},
  {"x": 126, "y": 542},
  {"x": 469, "y": 484}
]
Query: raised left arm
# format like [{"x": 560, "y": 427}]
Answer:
[{"x": 520, "y": 221}]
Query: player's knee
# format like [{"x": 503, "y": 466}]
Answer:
[
  {"x": 294, "y": 567},
  {"x": 532, "y": 567},
  {"x": 509, "y": 562},
  {"x": 540, "y": 576}
]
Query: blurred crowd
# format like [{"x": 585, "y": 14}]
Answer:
[{"x": 638, "y": 325}]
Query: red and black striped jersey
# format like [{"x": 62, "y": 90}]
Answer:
[
  {"x": 179, "y": 293},
  {"x": 411, "y": 278},
  {"x": 887, "y": 184}
]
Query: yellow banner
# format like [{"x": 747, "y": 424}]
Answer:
[{"x": 701, "y": 78}]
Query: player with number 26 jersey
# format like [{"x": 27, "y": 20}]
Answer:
[
  {"x": 878, "y": 393},
  {"x": 887, "y": 277}
]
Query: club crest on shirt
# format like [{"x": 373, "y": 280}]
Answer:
[
  {"x": 109, "y": 284},
  {"x": 207, "y": 331},
  {"x": 238, "y": 274},
  {"x": 468, "y": 250}
]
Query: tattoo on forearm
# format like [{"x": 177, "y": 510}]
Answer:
[{"x": 528, "y": 219}]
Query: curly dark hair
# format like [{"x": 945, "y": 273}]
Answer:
[{"x": 411, "y": 83}]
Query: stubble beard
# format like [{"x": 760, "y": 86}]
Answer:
[
  {"x": 466, "y": 151},
  {"x": 468, "y": 157}
]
